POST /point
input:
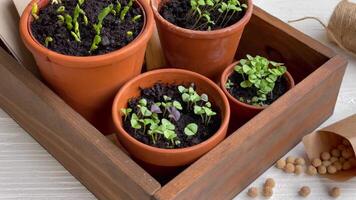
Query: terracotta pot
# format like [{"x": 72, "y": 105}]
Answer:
[
  {"x": 242, "y": 112},
  {"x": 204, "y": 52},
  {"x": 169, "y": 157},
  {"x": 89, "y": 84}
]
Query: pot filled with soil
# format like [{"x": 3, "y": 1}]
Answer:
[
  {"x": 170, "y": 117},
  {"x": 201, "y": 35},
  {"x": 252, "y": 84},
  {"x": 87, "y": 49}
]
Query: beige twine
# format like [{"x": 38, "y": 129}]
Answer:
[{"x": 342, "y": 26}]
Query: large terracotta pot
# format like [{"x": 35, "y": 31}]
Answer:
[
  {"x": 169, "y": 157},
  {"x": 242, "y": 112},
  {"x": 204, "y": 52},
  {"x": 89, "y": 84}
]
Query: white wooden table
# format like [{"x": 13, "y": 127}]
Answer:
[{"x": 27, "y": 171}]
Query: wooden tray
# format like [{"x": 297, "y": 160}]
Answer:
[{"x": 109, "y": 173}]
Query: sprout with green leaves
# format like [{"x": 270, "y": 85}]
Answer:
[
  {"x": 125, "y": 10},
  {"x": 260, "y": 73},
  {"x": 229, "y": 84},
  {"x": 48, "y": 40},
  {"x": 60, "y": 19},
  {"x": 56, "y": 1},
  {"x": 135, "y": 122},
  {"x": 34, "y": 11},
  {"x": 61, "y": 9},
  {"x": 81, "y": 2},
  {"x": 136, "y": 18},
  {"x": 126, "y": 112},
  {"x": 191, "y": 129},
  {"x": 129, "y": 33}
]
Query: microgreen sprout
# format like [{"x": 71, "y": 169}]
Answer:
[
  {"x": 60, "y": 19},
  {"x": 125, "y": 10},
  {"x": 205, "y": 112},
  {"x": 129, "y": 33},
  {"x": 126, "y": 112},
  {"x": 56, "y": 2},
  {"x": 136, "y": 18},
  {"x": 81, "y": 2},
  {"x": 229, "y": 84},
  {"x": 135, "y": 123},
  {"x": 191, "y": 129},
  {"x": 189, "y": 96},
  {"x": 68, "y": 21},
  {"x": 98, "y": 26},
  {"x": 34, "y": 11},
  {"x": 200, "y": 12},
  {"x": 48, "y": 40},
  {"x": 260, "y": 73},
  {"x": 118, "y": 7},
  {"x": 61, "y": 9}
]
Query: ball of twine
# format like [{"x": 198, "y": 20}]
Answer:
[{"x": 342, "y": 26}]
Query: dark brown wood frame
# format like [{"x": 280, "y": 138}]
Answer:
[{"x": 223, "y": 172}]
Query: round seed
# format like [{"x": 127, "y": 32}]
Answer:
[
  {"x": 270, "y": 183},
  {"x": 311, "y": 170},
  {"x": 289, "y": 168},
  {"x": 347, "y": 153},
  {"x": 290, "y": 159},
  {"x": 331, "y": 169},
  {"x": 304, "y": 191},
  {"x": 342, "y": 160},
  {"x": 298, "y": 169},
  {"x": 267, "y": 192},
  {"x": 316, "y": 162},
  {"x": 337, "y": 165},
  {"x": 300, "y": 161},
  {"x": 335, "y": 192},
  {"x": 281, "y": 164},
  {"x": 252, "y": 192},
  {"x": 322, "y": 169},
  {"x": 336, "y": 152},
  {"x": 325, "y": 156},
  {"x": 334, "y": 159},
  {"x": 346, "y": 165},
  {"x": 326, "y": 163}
]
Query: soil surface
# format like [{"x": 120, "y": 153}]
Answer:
[
  {"x": 114, "y": 32},
  {"x": 155, "y": 94},
  {"x": 177, "y": 12},
  {"x": 237, "y": 91}
]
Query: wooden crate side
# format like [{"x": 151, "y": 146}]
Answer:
[
  {"x": 237, "y": 161},
  {"x": 102, "y": 167}
]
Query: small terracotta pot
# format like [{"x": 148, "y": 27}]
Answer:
[
  {"x": 204, "y": 52},
  {"x": 169, "y": 157},
  {"x": 242, "y": 112},
  {"x": 89, "y": 84}
]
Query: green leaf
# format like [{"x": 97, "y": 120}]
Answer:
[
  {"x": 48, "y": 40},
  {"x": 167, "y": 124},
  {"x": 95, "y": 43},
  {"x": 81, "y": 2},
  {"x": 246, "y": 69},
  {"x": 68, "y": 20},
  {"x": 145, "y": 112},
  {"x": 191, "y": 129},
  {"x": 142, "y": 102},
  {"x": 61, "y": 9},
  {"x": 34, "y": 11},
  {"x": 166, "y": 98},
  {"x": 246, "y": 84},
  {"x": 135, "y": 122},
  {"x": 177, "y": 105},
  {"x": 104, "y": 13},
  {"x": 136, "y": 18},
  {"x": 198, "y": 110},
  {"x": 185, "y": 97},
  {"x": 182, "y": 89}
]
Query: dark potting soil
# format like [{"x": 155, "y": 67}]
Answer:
[
  {"x": 237, "y": 91},
  {"x": 114, "y": 32},
  {"x": 155, "y": 94},
  {"x": 177, "y": 12}
]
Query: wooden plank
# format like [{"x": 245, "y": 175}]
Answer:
[
  {"x": 236, "y": 162},
  {"x": 102, "y": 167}
]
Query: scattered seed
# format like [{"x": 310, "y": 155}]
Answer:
[
  {"x": 289, "y": 168},
  {"x": 270, "y": 183},
  {"x": 300, "y": 161},
  {"x": 267, "y": 192},
  {"x": 281, "y": 164},
  {"x": 325, "y": 156},
  {"x": 304, "y": 191},
  {"x": 322, "y": 169},
  {"x": 298, "y": 169},
  {"x": 335, "y": 192},
  {"x": 336, "y": 152},
  {"x": 331, "y": 169},
  {"x": 291, "y": 159},
  {"x": 311, "y": 170},
  {"x": 252, "y": 192},
  {"x": 316, "y": 162}
]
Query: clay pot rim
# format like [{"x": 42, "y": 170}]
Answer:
[
  {"x": 123, "y": 52},
  {"x": 229, "y": 70},
  {"x": 224, "y": 122},
  {"x": 203, "y": 34}
]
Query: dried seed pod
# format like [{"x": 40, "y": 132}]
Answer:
[
  {"x": 322, "y": 169},
  {"x": 325, "y": 156},
  {"x": 326, "y": 163},
  {"x": 304, "y": 191},
  {"x": 331, "y": 169},
  {"x": 281, "y": 164},
  {"x": 298, "y": 169},
  {"x": 289, "y": 168},
  {"x": 336, "y": 152},
  {"x": 311, "y": 170},
  {"x": 290, "y": 159},
  {"x": 346, "y": 165},
  {"x": 267, "y": 192},
  {"x": 316, "y": 162},
  {"x": 270, "y": 183},
  {"x": 337, "y": 165},
  {"x": 341, "y": 147},
  {"x": 334, "y": 159},
  {"x": 252, "y": 192},
  {"x": 335, "y": 192},
  {"x": 347, "y": 153},
  {"x": 300, "y": 161}
]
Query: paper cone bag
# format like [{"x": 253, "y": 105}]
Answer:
[{"x": 330, "y": 137}]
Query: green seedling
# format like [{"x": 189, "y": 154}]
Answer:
[
  {"x": 145, "y": 123},
  {"x": 97, "y": 27},
  {"x": 81, "y": 2},
  {"x": 118, "y": 7},
  {"x": 129, "y": 33},
  {"x": 60, "y": 19},
  {"x": 191, "y": 129},
  {"x": 135, "y": 122},
  {"x": 136, "y": 18},
  {"x": 229, "y": 84},
  {"x": 56, "y": 2},
  {"x": 34, "y": 11},
  {"x": 260, "y": 73},
  {"x": 168, "y": 130},
  {"x": 126, "y": 112},
  {"x": 75, "y": 36},
  {"x": 68, "y": 21},
  {"x": 125, "y": 10},
  {"x": 61, "y": 9},
  {"x": 96, "y": 42},
  {"x": 48, "y": 40}
]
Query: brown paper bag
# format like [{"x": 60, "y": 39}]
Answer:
[{"x": 328, "y": 138}]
